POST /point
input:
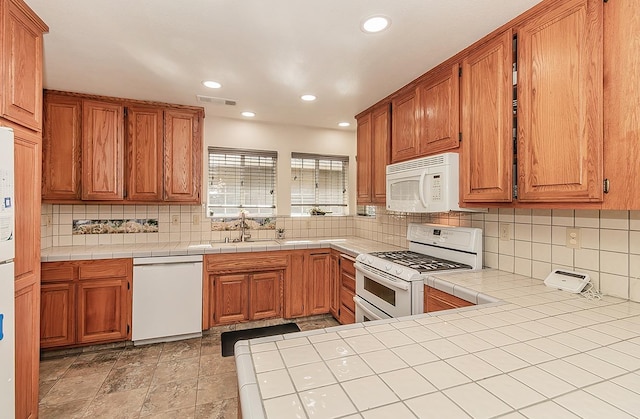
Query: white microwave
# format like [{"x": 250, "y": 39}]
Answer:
[{"x": 427, "y": 184}]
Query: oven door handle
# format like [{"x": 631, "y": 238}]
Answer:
[
  {"x": 364, "y": 309},
  {"x": 398, "y": 284}
]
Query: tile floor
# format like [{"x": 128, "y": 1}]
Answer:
[{"x": 183, "y": 379}]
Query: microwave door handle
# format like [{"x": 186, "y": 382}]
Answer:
[
  {"x": 423, "y": 199},
  {"x": 399, "y": 284},
  {"x": 364, "y": 309}
]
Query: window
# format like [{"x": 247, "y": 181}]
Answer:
[
  {"x": 319, "y": 182},
  {"x": 241, "y": 179}
]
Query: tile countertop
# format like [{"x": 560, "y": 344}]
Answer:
[
  {"x": 538, "y": 353},
  {"x": 350, "y": 245}
]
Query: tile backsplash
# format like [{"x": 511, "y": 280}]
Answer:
[{"x": 609, "y": 240}]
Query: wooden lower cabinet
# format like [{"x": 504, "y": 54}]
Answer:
[
  {"x": 307, "y": 285},
  {"x": 103, "y": 308},
  {"x": 85, "y": 302},
  {"x": 231, "y": 298},
  {"x": 347, "y": 290},
  {"x": 239, "y": 288},
  {"x": 436, "y": 300},
  {"x": 57, "y": 301},
  {"x": 265, "y": 295},
  {"x": 334, "y": 284}
]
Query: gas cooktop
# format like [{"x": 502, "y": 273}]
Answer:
[{"x": 418, "y": 261}]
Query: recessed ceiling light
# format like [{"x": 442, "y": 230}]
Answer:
[
  {"x": 212, "y": 84},
  {"x": 343, "y": 124},
  {"x": 308, "y": 98},
  {"x": 248, "y": 114},
  {"x": 375, "y": 24}
]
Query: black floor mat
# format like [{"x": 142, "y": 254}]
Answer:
[{"x": 230, "y": 338}]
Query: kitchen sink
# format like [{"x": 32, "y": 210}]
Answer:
[{"x": 249, "y": 243}]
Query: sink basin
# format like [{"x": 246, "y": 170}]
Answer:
[{"x": 250, "y": 243}]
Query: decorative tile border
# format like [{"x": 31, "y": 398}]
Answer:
[
  {"x": 147, "y": 225},
  {"x": 233, "y": 223}
]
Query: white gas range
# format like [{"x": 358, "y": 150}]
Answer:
[{"x": 391, "y": 284}]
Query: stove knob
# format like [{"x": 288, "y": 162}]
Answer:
[
  {"x": 369, "y": 260},
  {"x": 387, "y": 267},
  {"x": 399, "y": 271}
]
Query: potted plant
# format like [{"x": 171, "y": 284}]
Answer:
[{"x": 280, "y": 233}]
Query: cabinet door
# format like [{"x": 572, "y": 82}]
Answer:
[
  {"x": 622, "y": 113},
  {"x": 487, "y": 121},
  {"x": 21, "y": 89},
  {"x": 231, "y": 298},
  {"x": 404, "y": 127},
  {"x": 295, "y": 286},
  {"x": 62, "y": 145},
  {"x": 183, "y": 156},
  {"x": 57, "y": 314},
  {"x": 439, "y": 112},
  {"x": 27, "y": 335},
  {"x": 436, "y": 300},
  {"x": 145, "y": 151},
  {"x": 265, "y": 296},
  {"x": 318, "y": 289},
  {"x": 102, "y": 310},
  {"x": 364, "y": 155},
  {"x": 102, "y": 151},
  {"x": 380, "y": 137},
  {"x": 560, "y": 104}
]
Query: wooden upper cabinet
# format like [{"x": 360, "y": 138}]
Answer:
[
  {"x": 439, "y": 111},
  {"x": 145, "y": 154},
  {"x": 560, "y": 88},
  {"x": 364, "y": 153},
  {"x": 62, "y": 145},
  {"x": 102, "y": 151},
  {"x": 183, "y": 156},
  {"x": 380, "y": 137},
  {"x": 404, "y": 126},
  {"x": 21, "y": 66},
  {"x": 373, "y": 152},
  {"x": 487, "y": 121},
  {"x": 621, "y": 93}
]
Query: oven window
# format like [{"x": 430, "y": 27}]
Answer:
[{"x": 380, "y": 291}]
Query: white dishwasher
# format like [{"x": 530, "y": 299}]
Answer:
[{"x": 167, "y": 298}]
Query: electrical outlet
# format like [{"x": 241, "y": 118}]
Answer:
[
  {"x": 175, "y": 220},
  {"x": 505, "y": 232},
  {"x": 196, "y": 219},
  {"x": 573, "y": 238},
  {"x": 49, "y": 221}
]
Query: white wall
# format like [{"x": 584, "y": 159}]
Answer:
[{"x": 225, "y": 132}]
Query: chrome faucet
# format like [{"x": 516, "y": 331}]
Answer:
[{"x": 244, "y": 235}]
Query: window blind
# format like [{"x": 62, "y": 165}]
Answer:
[
  {"x": 241, "y": 179},
  {"x": 318, "y": 181}
]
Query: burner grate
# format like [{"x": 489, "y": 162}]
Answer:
[{"x": 419, "y": 261}]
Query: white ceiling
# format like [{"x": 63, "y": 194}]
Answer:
[{"x": 266, "y": 53}]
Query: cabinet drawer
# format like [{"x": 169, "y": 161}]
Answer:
[
  {"x": 114, "y": 268},
  {"x": 346, "y": 264},
  {"x": 246, "y": 262},
  {"x": 346, "y": 299},
  {"x": 52, "y": 272},
  {"x": 347, "y": 316},
  {"x": 349, "y": 282}
]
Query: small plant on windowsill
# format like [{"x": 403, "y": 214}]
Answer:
[
  {"x": 280, "y": 233},
  {"x": 318, "y": 211}
]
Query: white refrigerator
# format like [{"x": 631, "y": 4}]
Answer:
[{"x": 7, "y": 253}]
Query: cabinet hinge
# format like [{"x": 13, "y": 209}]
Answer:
[
  {"x": 126, "y": 111},
  {"x": 128, "y": 329},
  {"x": 128, "y": 285},
  {"x": 339, "y": 262},
  {"x": 606, "y": 1},
  {"x": 460, "y": 137},
  {"x": 605, "y": 186},
  {"x": 459, "y": 71}
]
